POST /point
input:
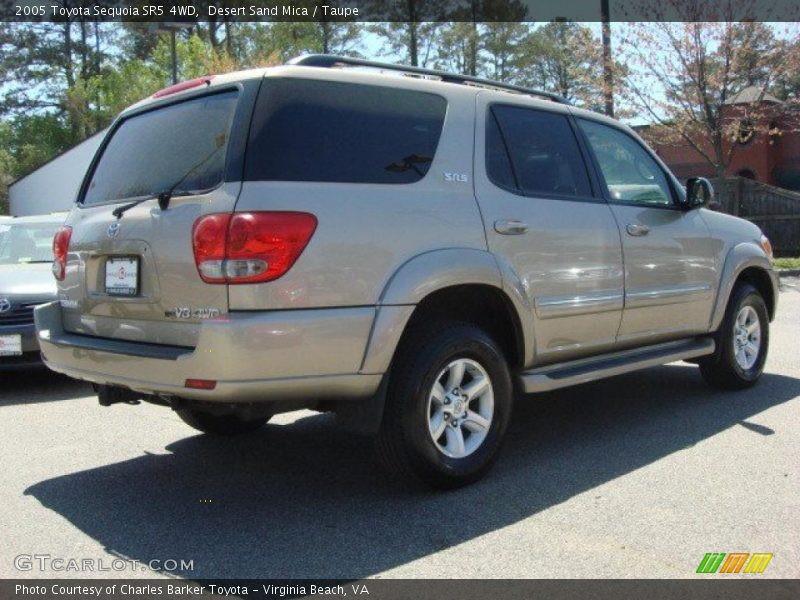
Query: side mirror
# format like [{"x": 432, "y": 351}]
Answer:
[{"x": 700, "y": 192}]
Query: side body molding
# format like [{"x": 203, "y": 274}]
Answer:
[
  {"x": 742, "y": 256},
  {"x": 412, "y": 282}
]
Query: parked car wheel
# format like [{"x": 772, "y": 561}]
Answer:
[
  {"x": 448, "y": 405},
  {"x": 742, "y": 342},
  {"x": 230, "y": 424}
]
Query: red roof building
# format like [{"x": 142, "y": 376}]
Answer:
[{"x": 766, "y": 138}]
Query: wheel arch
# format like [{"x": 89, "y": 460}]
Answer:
[
  {"x": 761, "y": 280},
  {"x": 483, "y": 305},
  {"x": 456, "y": 283},
  {"x": 745, "y": 262}
]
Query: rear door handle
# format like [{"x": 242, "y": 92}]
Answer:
[
  {"x": 510, "y": 227},
  {"x": 637, "y": 229}
]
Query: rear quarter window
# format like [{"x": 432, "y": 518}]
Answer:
[
  {"x": 182, "y": 145},
  {"x": 306, "y": 130},
  {"x": 534, "y": 153}
]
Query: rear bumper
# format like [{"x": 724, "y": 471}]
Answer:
[{"x": 253, "y": 356}]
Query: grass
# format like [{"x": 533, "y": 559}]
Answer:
[{"x": 787, "y": 263}]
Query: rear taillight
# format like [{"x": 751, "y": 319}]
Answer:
[
  {"x": 208, "y": 241},
  {"x": 249, "y": 247},
  {"x": 60, "y": 249}
]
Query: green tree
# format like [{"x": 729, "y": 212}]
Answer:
[
  {"x": 786, "y": 81},
  {"x": 756, "y": 55},
  {"x": 565, "y": 58},
  {"x": 42, "y": 62},
  {"x": 687, "y": 72},
  {"x": 458, "y": 48},
  {"x": 411, "y": 29},
  {"x": 26, "y": 142},
  {"x": 282, "y": 41},
  {"x": 502, "y": 43},
  {"x": 483, "y": 38},
  {"x": 7, "y": 167}
]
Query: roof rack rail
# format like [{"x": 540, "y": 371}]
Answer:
[{"x": 331, "y": 60}]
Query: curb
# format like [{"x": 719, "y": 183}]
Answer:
[{"x": 788, "y": 272}]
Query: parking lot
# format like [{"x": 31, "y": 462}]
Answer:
[{"x": 637, "y": 476}]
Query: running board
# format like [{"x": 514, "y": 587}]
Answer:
[{"x": 574, "y": 372}]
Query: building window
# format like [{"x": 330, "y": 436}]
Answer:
[
  {"x": 745, "y": 132},
  {"x": 774, "y": 132}
]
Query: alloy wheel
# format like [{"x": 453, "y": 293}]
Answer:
[
  {"x": 746, "y": 337},
  {"x": 460, "y": 408}
]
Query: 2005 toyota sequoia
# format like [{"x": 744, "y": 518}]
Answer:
[{"x": 403, "y": 247}]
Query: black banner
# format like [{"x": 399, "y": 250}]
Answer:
[
  {"x": 177, "y": 11},
  {"x": 383, "y": 589}
]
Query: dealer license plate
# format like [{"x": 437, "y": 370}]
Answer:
[
  {"x": 122, "y": 276},
  {"x": 10, "y": 345}
]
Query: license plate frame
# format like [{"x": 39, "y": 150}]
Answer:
[
  {"x": 122, "y": 275},
  {"x": 11, "y": 345}
]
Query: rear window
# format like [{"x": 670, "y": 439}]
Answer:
[
  {"x": 27, "y": 243},
  {"x": 181, "y": 146},
  {"x": 306, "y": 130}
]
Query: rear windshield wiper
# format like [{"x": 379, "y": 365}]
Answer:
[
  {"x": 165, "y": 196},
  {"x": 121, "y": 210}
]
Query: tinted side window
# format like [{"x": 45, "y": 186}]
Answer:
[
  {"x": 181, "y": 144},
  {"x": 498, "y": 163},
  {"x": 306, "y": 130},
  {"x": 545, "y": 158},
  {"x": 631, "y": 174}
]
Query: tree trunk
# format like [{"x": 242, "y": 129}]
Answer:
[
  {"x": 413, "y": 49},
  {"x": 69, "y": 105},
  {"x": 68, "y": 73},
  {"x": 97, "y": 57},
  {"x": 212, "y": 34},
  {"x": 228, "y": 37},
  {"x": 326, "y": 36},
  {"x": 84, "y": 51},
  {"x": 608, "y": 73},
  {"x": 473, "y": 41}
]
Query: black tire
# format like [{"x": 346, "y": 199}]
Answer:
[
  {"x": 721, "y": 369},
  {"x": 404, "y": 442},
  {"x": 228, "y": 424}
]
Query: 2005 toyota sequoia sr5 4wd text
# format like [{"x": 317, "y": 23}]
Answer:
[{"x": 406, "y": 251}]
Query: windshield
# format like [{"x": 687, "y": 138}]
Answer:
[
  {"x": 22, "y": 243},
  {"x": 183, "y": 143}
]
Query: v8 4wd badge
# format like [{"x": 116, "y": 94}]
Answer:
[{"x": 187, "y": 312}]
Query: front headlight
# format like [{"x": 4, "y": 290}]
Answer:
[{"x": 766, "y": 245}]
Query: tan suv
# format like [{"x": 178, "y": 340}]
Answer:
[{"x": 403, "y": 247}]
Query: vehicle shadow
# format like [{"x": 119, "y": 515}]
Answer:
[
  {"x": 39, "y": 384},
  {"x": 307, "y": 500}
]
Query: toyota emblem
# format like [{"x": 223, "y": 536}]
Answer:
[
  {"x": 5, "y": 305},
  {"x": 113, "y": 230}
]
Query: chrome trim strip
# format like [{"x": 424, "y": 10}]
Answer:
[
  {"x": 669, "y": 295},
  {"x": 549, "y": 307}
]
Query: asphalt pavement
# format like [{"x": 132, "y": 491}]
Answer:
[{"x": 636, "y": 476}]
